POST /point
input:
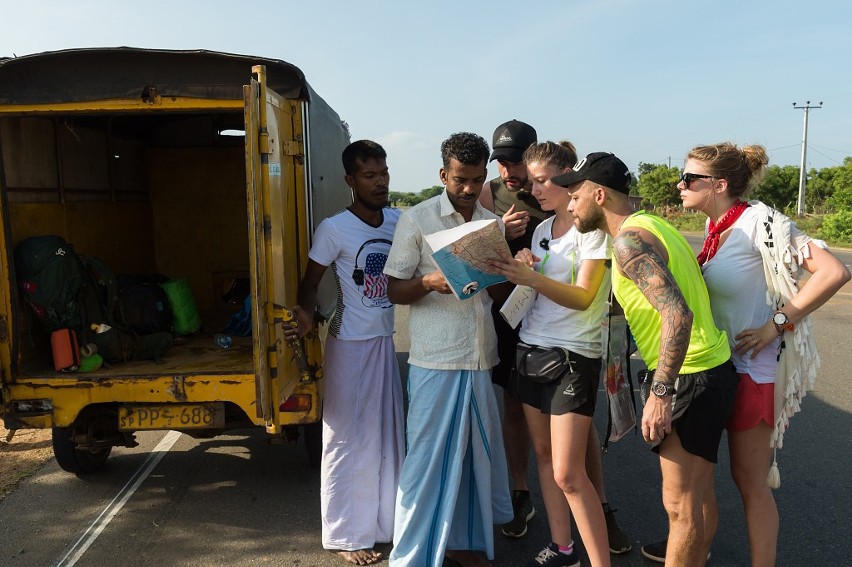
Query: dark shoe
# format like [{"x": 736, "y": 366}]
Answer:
[
  {"x": 551, "y": 557},
  {"x": 657, "y": 551},
  {"x": 524, "y": 512},
  {"x": 619, "y": 542}
]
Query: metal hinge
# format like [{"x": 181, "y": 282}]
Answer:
[{"x": 291, "y": 148}]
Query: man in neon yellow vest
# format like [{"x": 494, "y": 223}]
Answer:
[{"x": 691, "y": 382}]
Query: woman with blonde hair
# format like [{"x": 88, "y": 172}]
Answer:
[
  {"x": 751, "y": 259},
  {"x": 569, "y": 272}
]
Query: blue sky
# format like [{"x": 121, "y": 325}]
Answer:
[{"x": 646, "y": 80}]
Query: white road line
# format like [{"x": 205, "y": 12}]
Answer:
[{"x": 73, "y": 554}]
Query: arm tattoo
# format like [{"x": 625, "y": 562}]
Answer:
[{"x": 640, "y": 262}]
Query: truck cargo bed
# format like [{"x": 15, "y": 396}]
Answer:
[
  {"x": 196, "y": 354},
  {"x": 155, "y": 204}
]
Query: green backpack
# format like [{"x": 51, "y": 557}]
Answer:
[{"x": 52, "y": 280}]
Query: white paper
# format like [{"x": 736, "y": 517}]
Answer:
[
  {"x": 518, "y": 304},
  {"x": 438, "y": 240}
]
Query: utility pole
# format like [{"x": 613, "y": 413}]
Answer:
[{"x": 800, "y": 206}]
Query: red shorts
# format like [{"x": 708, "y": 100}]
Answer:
[{"x": 753, "y": 403}]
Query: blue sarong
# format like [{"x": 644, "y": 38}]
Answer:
[{"x": 454, "y": 483}]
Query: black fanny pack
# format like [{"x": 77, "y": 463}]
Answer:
[{"x": 542, "y": 364}]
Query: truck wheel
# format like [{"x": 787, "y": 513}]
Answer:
[
  {"x": 70, "y": 459},
  {"x": 313, "y": 443}
]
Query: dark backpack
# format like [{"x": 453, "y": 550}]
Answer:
[
  {"x": 67, "y": 290},
  {"x": 145, "y": 308},
  {"x": 135, "y": 332},
  {"x": 102, "y": 280},
  {"x": 51, "y": 278},
  {"x": 120, "y": 345}
]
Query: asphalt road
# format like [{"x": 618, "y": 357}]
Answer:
[{"x": 237, "y": 501}]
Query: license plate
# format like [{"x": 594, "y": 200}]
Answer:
[{"x": 171, "y": 416}]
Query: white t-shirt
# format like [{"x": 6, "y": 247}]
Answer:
[
  {"x": 357, "y": 253},
  {"x": 737, "y": 287},
  {"x": 548, "y": 323}
]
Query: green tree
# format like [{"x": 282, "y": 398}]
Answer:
[
  {"x": 398, "y": 198},
  {"x": 837, "y": 226},
  {"x": 430, "y": 192},
  {"x": 820, "y": 188},
  {"x": 841, "y": 194},
  {"x": 779, "y": 187},
  {"x": 657, "y": 185},
  {"x": 411, "y": 199},
  {"x": 646, "y": 168}
]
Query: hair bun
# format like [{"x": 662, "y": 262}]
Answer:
[{"x": 755, "y": 157}]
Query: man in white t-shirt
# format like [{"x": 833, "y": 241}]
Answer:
[{"x": 362, "y": 414}]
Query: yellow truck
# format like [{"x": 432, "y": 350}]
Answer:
[{"x": 207, "y": 166}]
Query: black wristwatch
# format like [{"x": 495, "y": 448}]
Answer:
[
  {"x": 782, "y": 322},
  {"x": 662, "y": 389}
]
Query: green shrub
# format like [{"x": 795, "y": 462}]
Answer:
[
  {"x": 809, "y": 224},
  {"x": 837, "y": 227},
  {"x": 686, "y": 221}
]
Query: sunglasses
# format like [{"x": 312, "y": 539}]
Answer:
[{"x": 688, "y": 177}]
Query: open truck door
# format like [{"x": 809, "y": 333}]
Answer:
[{"x": 288, "y": 388}]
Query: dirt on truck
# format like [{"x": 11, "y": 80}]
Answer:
[{"x": 193, "y": 169}]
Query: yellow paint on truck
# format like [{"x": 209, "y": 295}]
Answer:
[{"x": 199, "y": 165}]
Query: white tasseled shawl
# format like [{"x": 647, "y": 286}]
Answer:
[{"x": 798, "y": 361}]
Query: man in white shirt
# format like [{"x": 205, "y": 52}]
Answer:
[{"x": 454, "y": 481}]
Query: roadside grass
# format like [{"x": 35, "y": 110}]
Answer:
[{"x": 21, "y": 455}]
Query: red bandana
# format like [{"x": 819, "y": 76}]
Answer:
[{"x": 711, "y": 243}]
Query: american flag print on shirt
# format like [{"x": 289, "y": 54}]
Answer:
[{"x": 375, "y": 281}]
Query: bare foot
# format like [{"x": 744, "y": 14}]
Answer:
[
  {"x": 360, "y": 556},
  {"x": 468, "y": 558}
]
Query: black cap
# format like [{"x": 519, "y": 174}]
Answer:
[
  {"x": 602, "y": 168},
  {"x": 511, "y": 139}
]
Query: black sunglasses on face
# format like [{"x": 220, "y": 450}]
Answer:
[{"x": 688, "y": 177}]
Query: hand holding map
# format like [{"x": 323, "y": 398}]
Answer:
[{"x": 462, "y": 255}]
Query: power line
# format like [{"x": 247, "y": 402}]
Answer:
[
  {"x": 784, "y": 147},
  {"x": 814, "y": 148},
  {"x": 847, "y": 152}
]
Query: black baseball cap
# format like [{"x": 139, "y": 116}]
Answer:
[
  {"x": 602, "y": 168},
  {"x": 511, "y": 139}
]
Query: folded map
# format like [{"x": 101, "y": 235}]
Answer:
[{"x": 462, "y": 254}]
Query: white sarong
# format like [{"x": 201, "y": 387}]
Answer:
[{"x": 362, "y": 438}]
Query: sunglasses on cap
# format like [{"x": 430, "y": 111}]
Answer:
[{"x": 688, "y": 177}]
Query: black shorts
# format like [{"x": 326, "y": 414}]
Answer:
[
  {"x": 576, "y": 392},
  {"x": 702, "y": 405}
]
